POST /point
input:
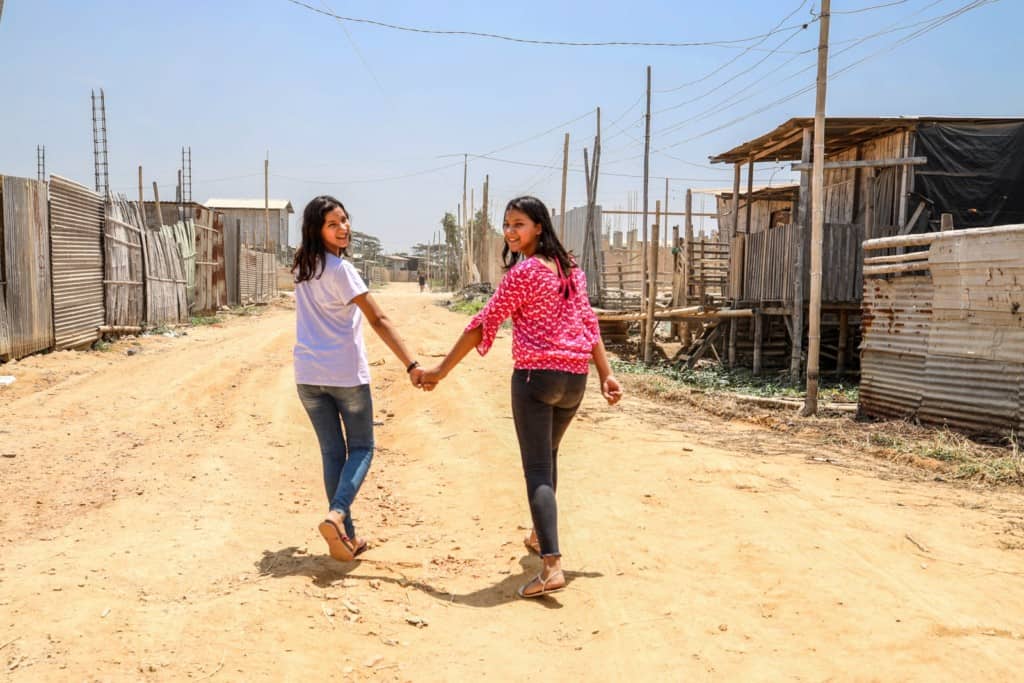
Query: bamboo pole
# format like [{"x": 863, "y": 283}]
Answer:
[
  {"x": 652, "y": 295},
  {"x": 565, "y": 175},
  {"x": 647, "y": 169},
  {"x": 818, "y": 221}
]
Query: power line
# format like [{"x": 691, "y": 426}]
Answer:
[
  {"x": 734, "y": 42},
  {"x": 740, "y": 55},
  {"x": 868, "y": 9}
]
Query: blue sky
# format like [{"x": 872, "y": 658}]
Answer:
[{"x": 348, "y": 110}]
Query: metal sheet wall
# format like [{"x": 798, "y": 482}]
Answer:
[
  {"x": 26, "y": 267},
  {"x": 948, "y": 346},
  {"x": 76, "y": 243}
]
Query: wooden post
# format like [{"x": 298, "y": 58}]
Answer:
[
  {"x": 818, "y": 219},
  {"x": 664, "y": 207},
  {"x": 732, "y": 342},
  {"x": 565, "y": 175},
  {"x": 801, "y": 228},
  {"x": 156, "y": 201},
  {"x": 844, "y": 332},
  {"x": 687, "y": 264},
  {"x": 676, "y": 278},
  {"x": 484, "y": 211},
  {"x": 869, "y": 203},
  {"x": 142, "y": 208},
  {"x": 622, "y": 283},
  {"x": 647, "y": 169},
  {"x": 736, "y": 200},
  {"x": 946, "y": 222},
  {"x": 750, "y": 193},
  {"x": 465, "y": 221},
  {"x": 758, "y": 338},
  {"x": 652, "y": 290}
]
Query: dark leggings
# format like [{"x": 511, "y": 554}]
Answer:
[{"x": 543, "y": 404}]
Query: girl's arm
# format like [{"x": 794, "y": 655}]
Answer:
[
  {"x": 610, "y": 388},
  {"x": 381, "y": 324},
  {"x": 466, "y": 343}
]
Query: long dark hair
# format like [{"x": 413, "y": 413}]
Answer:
[
  {"x": 547, "y": 242},
  {"x": 311, "y": 256}
]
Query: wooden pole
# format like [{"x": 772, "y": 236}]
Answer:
[
  {"x": 156, "y": 200},
  {"x": 844, "y": 335},
  {"x": 737, "y": 170},
  {"x": 472, "y": 237},
  {"x": 647, "y": 171},
  {"x": 758, "y": 339},
  {"x": 818, "y": 219},
  {"x": 801, "y": 228},
  {"x": 750, "y": 194},
  {"x": 142, "y": 208},
  {"x": 664, "y": 226},
  {"x": 465, "y": 219},
  {"x": 687, "y": 265},
  {"x": 869, "y": 203},
  {"x": 266, "y": 220},
  {"x": 565, "y": 177},
  {"x": 652, "y": 288}
]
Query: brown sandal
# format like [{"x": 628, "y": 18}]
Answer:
[
  {"x": 544, "y": 590},
  {"x": 340, "y": 545},
  {"x": 532, "y": 545}
]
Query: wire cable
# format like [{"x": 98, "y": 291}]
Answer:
[{"x": 734, "y": 42}]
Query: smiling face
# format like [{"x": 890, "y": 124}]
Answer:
[
  {"x": 336, "y": 231},
  {"x": 521, "y": 233}
]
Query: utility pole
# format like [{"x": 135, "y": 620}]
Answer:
[
  {"x": 487, "y": 224},
  {"x": 464, "y": 219},
  {"x": 647, "y": 170},
  {"x": 817, "y": 219},
  {"x": 565, "y": 175},
  {"x": 266, "y": 205}
]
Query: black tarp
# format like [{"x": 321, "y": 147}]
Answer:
[{"x": 975, "y": 171}]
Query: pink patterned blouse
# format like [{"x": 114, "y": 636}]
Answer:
[{"x": 549, "y": 332}]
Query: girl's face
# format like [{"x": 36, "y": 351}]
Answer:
[
  {"x": 336, "y": 232},
  {"x": 521, "y": 233}
]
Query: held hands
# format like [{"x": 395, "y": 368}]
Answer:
[
  {"x": 425, "y": 379},
  {"x": 611, "y": 390}
]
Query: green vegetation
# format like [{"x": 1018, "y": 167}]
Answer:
[
  {"x": 198, "y": 320},
  {"x": 715, "y": 378},
  {"x": 468, "y": 306}
]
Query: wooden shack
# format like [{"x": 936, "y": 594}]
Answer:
[{"x": 884, "y": 176}]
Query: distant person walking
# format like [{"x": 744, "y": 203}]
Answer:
[
  {"x": 423, "y": 281},
  {"x": 331, "y": 370},
  {"x": 554, "y": 336}
]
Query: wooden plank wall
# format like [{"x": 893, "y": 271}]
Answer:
[
  {"x": 123, "y": 273},
  {"x": 26, "y": 270}
]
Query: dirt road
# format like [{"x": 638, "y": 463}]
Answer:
[{"x": 159, "y": 523}]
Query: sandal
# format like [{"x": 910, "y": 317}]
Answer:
[
  {"x": 532, "y": 544},
  {"x": 360, "y": 546},
  {"x": 544, "y": 590},
  {"x": 340, "y": 545}
]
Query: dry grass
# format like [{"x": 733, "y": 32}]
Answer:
[{"x": 928, "y": 452}]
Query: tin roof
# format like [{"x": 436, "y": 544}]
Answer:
[{"x": 222, "y": 203}]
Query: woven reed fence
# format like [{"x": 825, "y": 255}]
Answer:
[{"x": 166, "y": 299}]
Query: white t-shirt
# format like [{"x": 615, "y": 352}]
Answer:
[{"x": 329, "y": 348}]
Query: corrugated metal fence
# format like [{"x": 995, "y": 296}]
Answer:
[
  {"x": 28, "y": 325},
  {"x": 943, "y": 335},
  {"x": 76, "y": 244}
]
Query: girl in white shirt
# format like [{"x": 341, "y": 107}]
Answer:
[{"x": 331, "y": 371}]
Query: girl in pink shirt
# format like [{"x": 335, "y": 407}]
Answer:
[{"x": 554, "y": 336}]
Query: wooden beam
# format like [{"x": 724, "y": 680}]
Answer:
[
  {"x": 895, "y": 268},
  {"x": 785, "y": 142},
  {"x": 909, "y": 225},
  {"x": 896, "y": 258},
  {"x": 866, "y": 163}
]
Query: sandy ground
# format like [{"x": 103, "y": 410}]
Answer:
[{"x": 160, "y": 508}]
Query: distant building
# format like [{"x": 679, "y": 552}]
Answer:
[{"x": 247, "y": 216}]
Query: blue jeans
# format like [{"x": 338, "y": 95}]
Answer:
[{"x": 346, "y": 455}]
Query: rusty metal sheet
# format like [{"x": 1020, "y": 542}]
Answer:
[
  {"x": 26, "y": 272},
  {"x": 971, "y": 394},
  {"x": 890, "y": 383},
  {"x": 76, "y": 239}
]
